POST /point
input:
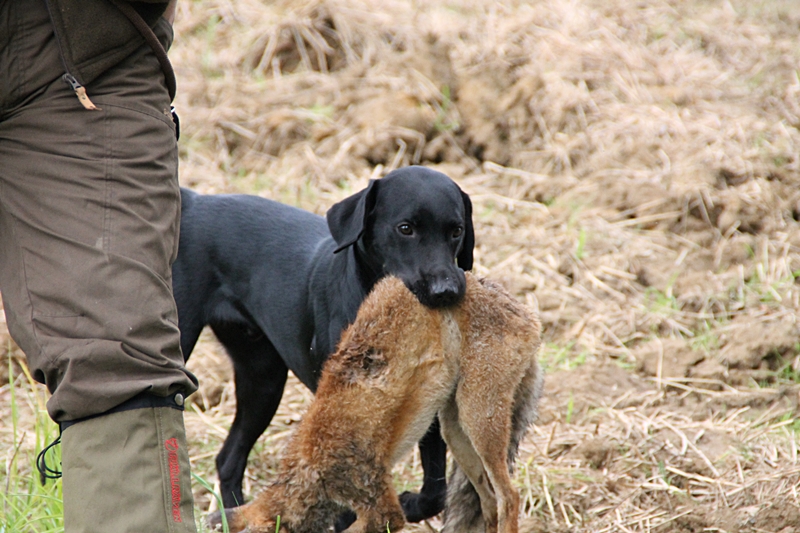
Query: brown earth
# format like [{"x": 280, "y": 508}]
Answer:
[{"x": 634, "y": 170}]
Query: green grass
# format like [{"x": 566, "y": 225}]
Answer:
[
  {"x": 443, "y": 121},
  {"x": 555, "y": 356},
  {"x": 27, "y": 506},
  {"x": 786, "y": 370},
  {"x": 768, "y": 291},
  {"x": 661, "y": 302},
  {"x": 706, "y": 337},
  {"x": 321, "y": 111},
  {"x": 570, "y": 409},
  {"x": 201, "y": 525},
  {"x": 580, "y": 249},
  {"x": 208, "y": 53}
]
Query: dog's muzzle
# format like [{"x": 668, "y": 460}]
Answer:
[{"x": 443, "y": 291}]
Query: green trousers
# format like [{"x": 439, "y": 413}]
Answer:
[
  {"x": 89, "y": 220},
  {"x": 127, "y": 472}
]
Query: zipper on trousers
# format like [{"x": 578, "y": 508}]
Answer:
[{"x": 80, "y": 91}]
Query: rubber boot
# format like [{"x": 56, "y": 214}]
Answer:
[{"x": 127, "y": 472}]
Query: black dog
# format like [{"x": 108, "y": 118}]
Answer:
[{"x": 278, "y": 285}]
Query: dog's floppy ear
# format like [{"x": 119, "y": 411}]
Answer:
[
  {"x": 464, "y": 258},
  {"x": 347, "y": 219}
]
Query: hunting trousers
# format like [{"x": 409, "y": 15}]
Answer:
[{"x": 89, "y": 222}]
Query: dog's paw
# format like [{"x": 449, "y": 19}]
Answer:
[{"x": 419, "y": 507}]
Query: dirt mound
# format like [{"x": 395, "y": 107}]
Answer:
[{"x": 746, "y": 349}]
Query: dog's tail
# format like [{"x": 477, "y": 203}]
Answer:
[{"x": 463, "y": 509}]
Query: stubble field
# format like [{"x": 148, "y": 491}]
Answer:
[{"x": 634, "y": 168}]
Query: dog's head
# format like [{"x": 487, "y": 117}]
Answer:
[{"x": 416, "y": 224}]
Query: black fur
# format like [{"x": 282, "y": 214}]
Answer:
[{"x": 277, "y": 285}]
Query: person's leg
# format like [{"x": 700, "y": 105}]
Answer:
[
  {"x": 89, "y": 217},
  {"x": 127, "y": 472},
  {"x": 89, "y": 214}
]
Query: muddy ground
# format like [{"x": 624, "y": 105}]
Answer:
[{"x": 634, "y": 170}]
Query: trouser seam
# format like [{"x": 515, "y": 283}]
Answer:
[
  {"x": 108, "y": 177},
  {"x": 17, "y": 89},
  {"x": 161, "y": 117}
]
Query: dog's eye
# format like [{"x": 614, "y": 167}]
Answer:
[
  {"x": 405, "y": 229},
  {"x": 457, "y": 232}
]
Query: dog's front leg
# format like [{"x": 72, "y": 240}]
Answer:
[{"x": 430, "y": 500}]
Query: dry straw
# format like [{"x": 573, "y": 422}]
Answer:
[{"x": 633, "y": 168}]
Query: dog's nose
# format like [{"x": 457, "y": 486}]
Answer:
[{"x": 444, "y": 292}]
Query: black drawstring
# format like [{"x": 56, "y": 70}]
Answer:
[
  {"x": 45, "y": 472},
  {"x": 140, "y": 401}
]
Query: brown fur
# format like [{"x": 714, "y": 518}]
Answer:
[{"x": 397, "y": 367}]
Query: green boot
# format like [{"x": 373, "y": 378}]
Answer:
[{"x": 128, "y": 472}]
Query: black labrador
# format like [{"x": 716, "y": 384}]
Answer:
[{"x": 278, "y": 285}]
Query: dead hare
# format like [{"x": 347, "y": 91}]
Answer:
[{"x": 398, "y": 366}]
